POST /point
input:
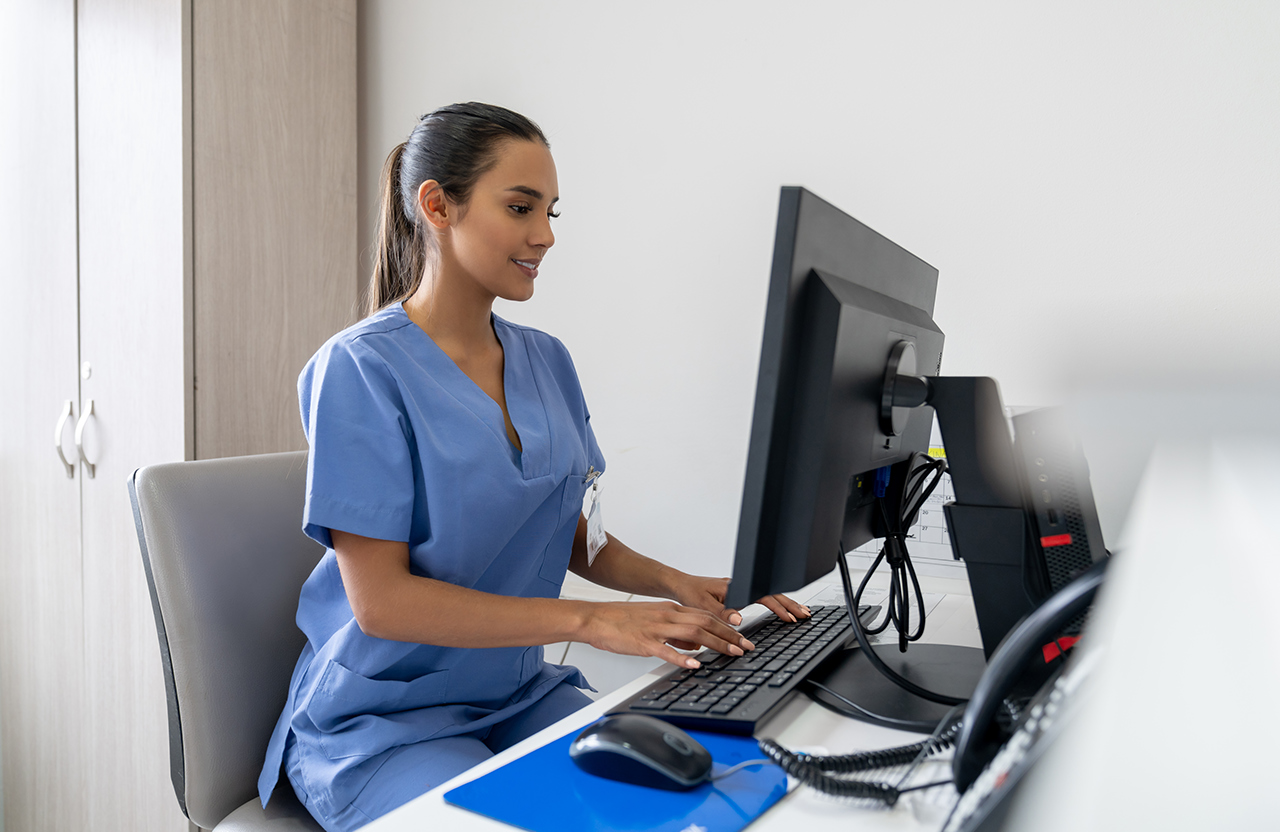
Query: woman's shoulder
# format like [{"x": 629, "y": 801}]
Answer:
[
  {"x": 542, "y": 343},
  {"x": 370, "y": 340},
  {"x": 365, "y": 349},
  {"x": 371, "y": 333},
  {"x": 548, "y": 356}
]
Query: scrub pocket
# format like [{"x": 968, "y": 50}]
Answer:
[
  {"x": 348, "y": 708},
  {"x": 555, "y": 560},
  {"x": 531, "y": 664}
]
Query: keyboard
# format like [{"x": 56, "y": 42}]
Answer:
[{"x": 731, "y": 694}]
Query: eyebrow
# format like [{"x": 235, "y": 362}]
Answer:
[{"x": 533, "y": 192}]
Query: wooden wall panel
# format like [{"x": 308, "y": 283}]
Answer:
[
  {"x": 41, "y": 652},
  {"x": 274, "y": 152}
]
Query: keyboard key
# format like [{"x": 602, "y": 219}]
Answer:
[{"x": 649, "y": 706}]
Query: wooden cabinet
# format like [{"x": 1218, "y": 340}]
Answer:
[{"x": 178, "y": 228}]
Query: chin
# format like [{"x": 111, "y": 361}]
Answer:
[{"x": 518, "y": 295}]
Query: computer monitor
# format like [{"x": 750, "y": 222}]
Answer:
[
  {"x": 842, "y": 302},
  {"x": 849, "y": 364},
  {"x": 840, "y": 298}
]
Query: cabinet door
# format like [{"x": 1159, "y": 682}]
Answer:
[
  {"x": 133, "y": 274},
  {"x": 41, "y": 674}
]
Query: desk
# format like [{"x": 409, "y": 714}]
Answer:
[{"x": 799, "y": 724}]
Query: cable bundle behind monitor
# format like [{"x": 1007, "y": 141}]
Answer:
[
  {"x": 899, "y": 508},
  {"x": 897, "y": 512}
]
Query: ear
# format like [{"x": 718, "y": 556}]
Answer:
[{"x": 434, "y": 205}]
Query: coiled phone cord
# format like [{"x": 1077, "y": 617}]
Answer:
[{"x": 824, "y": 773}]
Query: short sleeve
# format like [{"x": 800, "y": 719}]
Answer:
[
  {"x": 360, "y": 470},
  {"x": 573, "y": 384},
  {"x": 594, "y": 456}
]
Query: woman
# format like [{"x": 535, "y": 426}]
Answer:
[{"x": 450, "y": 455}]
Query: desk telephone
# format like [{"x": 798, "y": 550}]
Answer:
[
  {"x": 990, "y": 760},
  {"x": 993, "y": 748}
]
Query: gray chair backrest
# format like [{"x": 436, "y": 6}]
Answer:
[{"x": 225, "y": 559}]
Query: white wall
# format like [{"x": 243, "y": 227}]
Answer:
[{"x": 1096, "y": 183}]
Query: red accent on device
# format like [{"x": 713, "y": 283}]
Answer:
[
  {"x": 1054, "y": 649},
  {"x": 1056, "y": 540}
]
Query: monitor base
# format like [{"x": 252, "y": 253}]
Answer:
[{"x": 942, "y": 668}]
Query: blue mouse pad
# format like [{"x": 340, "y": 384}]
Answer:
[{"x": 544, "y": 791}]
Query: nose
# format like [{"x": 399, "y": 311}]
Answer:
[{"x": 543, "y": 236}]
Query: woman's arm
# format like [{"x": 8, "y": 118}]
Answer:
[
  {"x": 618, "y": 566},
  {"x": 392, "y": 603}
]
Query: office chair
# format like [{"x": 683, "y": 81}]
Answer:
[{"x": 225, "y": 559}]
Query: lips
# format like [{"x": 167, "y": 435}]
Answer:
[{"x": 528, "y": 267}]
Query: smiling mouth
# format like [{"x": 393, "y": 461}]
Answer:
[{"x": 529, "y": 267}]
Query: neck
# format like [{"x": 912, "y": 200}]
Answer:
[{"x": 459, "y": 321}]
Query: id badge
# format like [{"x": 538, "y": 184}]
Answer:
[{"x": 596, "y": 538}]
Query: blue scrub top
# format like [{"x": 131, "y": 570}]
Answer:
[{"x": 405, "y": 446}]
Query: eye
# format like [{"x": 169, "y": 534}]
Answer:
[
  {"x": 553, "y": 214},
  {"x": 521, "y": 209}
]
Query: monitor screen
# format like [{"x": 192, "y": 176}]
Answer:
[{"x": 841, "y": 296}]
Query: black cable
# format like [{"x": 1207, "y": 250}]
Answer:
[
  {"x": 933, "y": 785},
  {"x": 914, "y": 489},
  {"x": 876, "y": 661},
  {"x": 809, "y": 775},
  {"x": 827, "y": 773},
  {"x": 943, "y": 738},
  {"x": 918, "y": 726}
]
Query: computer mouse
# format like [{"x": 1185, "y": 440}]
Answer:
[{"x": 643, "y": 750}]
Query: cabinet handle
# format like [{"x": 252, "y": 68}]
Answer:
[
  {"x": 84, "y": 419},
  {"x": 57, "y": 439}
]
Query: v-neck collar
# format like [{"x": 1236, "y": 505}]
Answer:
[{"x": 524, "y": 400}]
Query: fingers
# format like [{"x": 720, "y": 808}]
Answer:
[
  {"x": 719, "y": 588},
  {"x": 733, "y": 617},
  {"x": 785, "y": 608},
  {"x": 707, "y": 630},
  {"x": 670, "y": 654},
  {"x": 704, "y": 594},
  {"x": 691, "y": 628},
  {"x": 644, "y": 629}
]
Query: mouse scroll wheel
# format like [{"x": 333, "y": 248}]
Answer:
[{"x": 678, "y": 744}]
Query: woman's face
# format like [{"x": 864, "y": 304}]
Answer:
[{"x": 504, "y": 230}]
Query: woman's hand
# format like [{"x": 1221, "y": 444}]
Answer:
[
  {"x": 785, "y": 608},
  {"x": 651, "y": 629},
  {"x": 706, "y": 594},
  {"x": 709, "y": 594}
]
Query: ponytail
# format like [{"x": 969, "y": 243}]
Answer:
[
  {"x": 454, "y": 146},
  {"x": 399, "y": 263}
]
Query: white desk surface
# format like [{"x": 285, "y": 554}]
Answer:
[{"x": 800, "y": 724}]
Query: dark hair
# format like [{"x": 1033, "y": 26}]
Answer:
[{"x": 455, "y": 146}]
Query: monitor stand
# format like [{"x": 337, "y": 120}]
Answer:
[{"x": 941, "y": 668}]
